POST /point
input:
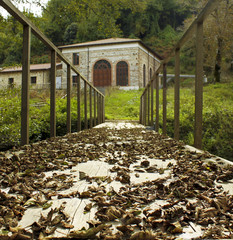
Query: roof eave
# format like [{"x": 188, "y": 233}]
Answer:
[{"x": 98, "y": 44}]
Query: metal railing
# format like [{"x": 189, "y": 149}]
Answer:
[
  {"x": 147, "y": 98},
  {"x": 96, "y": 98}
]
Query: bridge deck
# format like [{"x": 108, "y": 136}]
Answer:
[{"x": 120, "y": 174}]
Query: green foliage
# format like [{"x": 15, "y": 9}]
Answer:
[
  {"x": 9, "y": 118},
  {"x": 217, "y": 118},
  {"x": 39, "y": 129},
  {"x": 74, "y": 21},
  {"x": 120, "y": 104},
  {"x": 217, "y": 114}
]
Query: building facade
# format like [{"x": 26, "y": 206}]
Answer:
[
  {"x": 39, "y": 76},
  {"x": 112, "y": 62}
]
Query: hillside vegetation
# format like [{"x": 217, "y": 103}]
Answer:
[{"x": 158, "y": 23}]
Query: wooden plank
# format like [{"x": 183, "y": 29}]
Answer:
[
  {"x": 53, "y": 94},
  {"x": 164, "y": 99},
  {"x": 157, "y": 103},
  {"x": 177, "y": 96},
  {"x": 25, "y": 85},
  {"x": 199, "y": 87},
  {"x": 78, "y": 104},
  {"x": 68, "y": 116}
]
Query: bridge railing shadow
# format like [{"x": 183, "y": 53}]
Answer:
[
  {"x": 93, "y": 99},
  {"x": 147, "y": 97}
]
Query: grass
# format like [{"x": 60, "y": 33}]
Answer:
[
  {"x": 217, "y": 114},
  {"x": 121, "y": 104},
  {"x": 124, "y": 105}
]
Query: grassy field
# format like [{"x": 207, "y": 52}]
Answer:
[
  {"x": 120, "y": 104},
  {"x": 217, "y": 114}
]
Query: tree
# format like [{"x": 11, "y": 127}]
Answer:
[
  {"x": 218, "y": 35},
  {"x": 221, "y": 26}
]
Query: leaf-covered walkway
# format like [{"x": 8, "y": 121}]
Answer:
[{"x": 116, "y": 181}]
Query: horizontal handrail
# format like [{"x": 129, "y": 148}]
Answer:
[
  {"x": 28, "y": 28},
  {"x": 25, "y": 21},
  {"x": 147, "y": 101},
  {"x": 210, "y": 6}
]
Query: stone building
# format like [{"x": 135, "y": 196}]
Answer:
[
  {"x": 39, "y": 76},
  {"x": 112, "y": 62}
]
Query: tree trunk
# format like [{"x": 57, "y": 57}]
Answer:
[{"x": 218, "y": 61}]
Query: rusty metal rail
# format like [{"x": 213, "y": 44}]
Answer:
[
  {"x": 147, "y": 97},
  {"x": 28, "y": 28}
]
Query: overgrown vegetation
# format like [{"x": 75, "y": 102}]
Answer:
[
  {"x": 217, "y": 114},
  {"x": 120, "y": 104},
  {"x": 10, "y": 109}
]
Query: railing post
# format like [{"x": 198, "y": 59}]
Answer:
[
  {"x": 199, "y": 87},
  {"x": 90, "y": 92},
  {"x": 85, "y": 106},
  {"x": 68, "y": 99},
  {"x": 140, "y": 113},
  {"x": 152, "y": 102},
  {"x": 164, "y": 99},
  {"x": 103, "y": 109},
  {"x": 145, "y": 107},
  {"x": 78, "y": 103},
  {"x": 94, "y": 107},
  {"x": 98, "y": 108},
  {"x": 148, "y": 102},
  {"x": 157, "y": 103},
  {"x": 53, "y": 95},
  {"x": 25, "y": 85},
  {"x": 177, "y": 96}
]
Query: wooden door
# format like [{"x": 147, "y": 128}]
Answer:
[{"x": 102, "y": 74}]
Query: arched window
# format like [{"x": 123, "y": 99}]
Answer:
[
  {"x": 102, "y": 74},
  {"x": 122, "y": 73},
  {"x": 144, "y": 75}
]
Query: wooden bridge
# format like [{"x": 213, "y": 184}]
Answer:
[{"x": 116, "y": 180}]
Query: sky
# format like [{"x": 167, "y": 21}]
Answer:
[{"x": 28, "y": 6}]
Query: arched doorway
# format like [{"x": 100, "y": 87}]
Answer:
[
  {"x": 122, "y": 74},
  {"x": 102, "y": 74}
]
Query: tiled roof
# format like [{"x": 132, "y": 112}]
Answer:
[
  {"x": 110, "y": 41},
  {"x": 102, "y": 42},
  {"x": 33, "y": 67}
]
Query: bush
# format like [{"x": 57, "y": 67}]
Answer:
[{"x": 217, "y": 116}]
